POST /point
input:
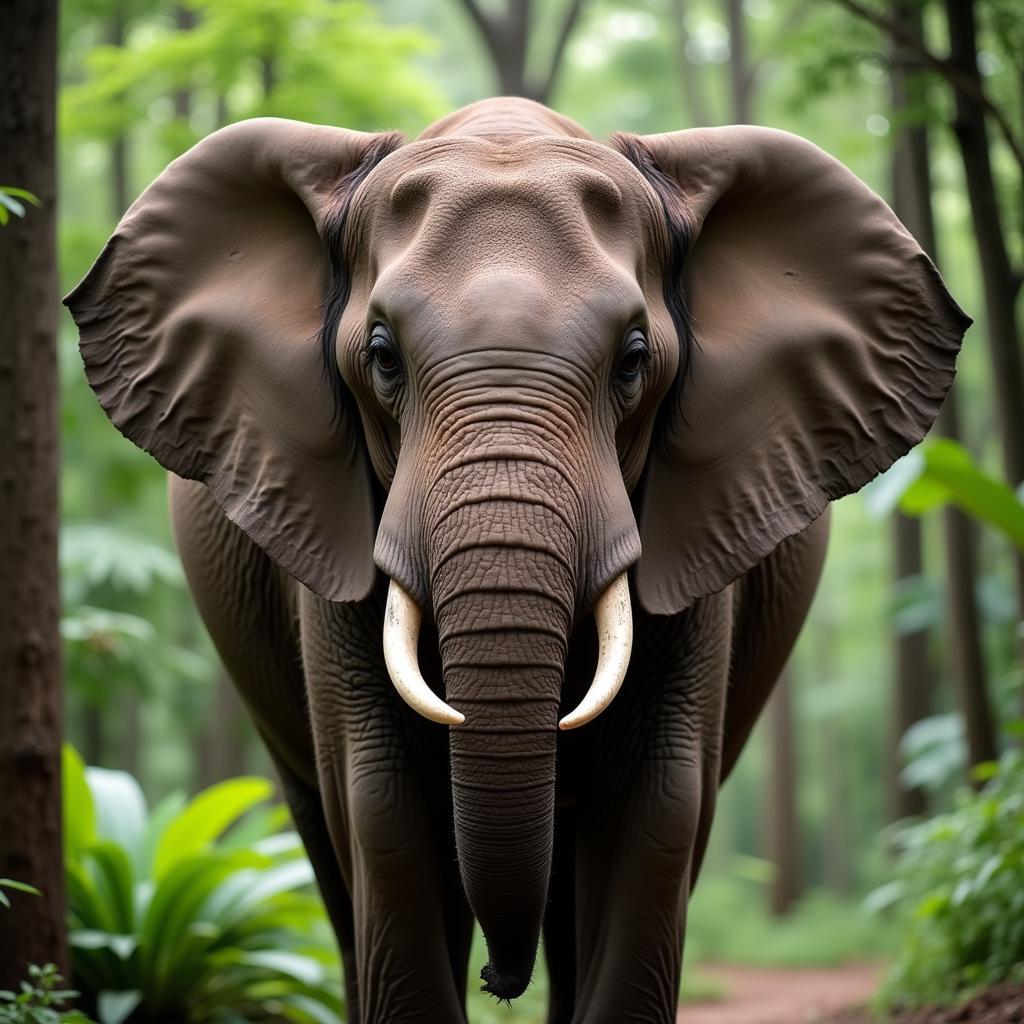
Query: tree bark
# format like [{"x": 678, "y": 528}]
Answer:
[
  {"x": 33, "y": 929},
  {"x": 1001, "y": 283},
  {"x": 222, "y": 747},
  {"x": 693, "y": 92},
  {"x": 912, "y": 189},
  {"x": 913, "y": 676},
  {"x": 739, "y": 77},
  {"x": 119, "y": 188},
  {"x": 506, "y": 37},
  {"x": 185, "y": 21}
]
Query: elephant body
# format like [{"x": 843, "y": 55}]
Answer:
[
  {"x": 368, "y": 780},
  {"x": 478, "y": 415}
]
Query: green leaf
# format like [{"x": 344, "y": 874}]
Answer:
[
  {"x": 10, "y": 883},
  {"x": 21, "y": 193},
  {"x": 206, "y": 817},
  {"x": 117, "y": 1007},
  {"x": 13, "y": 205},
  {"x": 120, "y": 809},
  {"x": 953, "y": 476},
  {"x": 79, "y": 811}
]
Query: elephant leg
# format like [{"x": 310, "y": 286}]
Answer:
[
  {"x": 383, "y": 779},
  {"x": 648, "y": 778},
  {"x": 560, "y": 920}
]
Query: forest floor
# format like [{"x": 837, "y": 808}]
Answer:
[
  {"x": 770, "y": 996},
  {"x": 834, "y": 996}
]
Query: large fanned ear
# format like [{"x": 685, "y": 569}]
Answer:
[
  {"x": 825, "y": 342},
  {"x": 199, "y": 329}
]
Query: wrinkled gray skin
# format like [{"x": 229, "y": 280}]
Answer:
[{"x": 509, "y": 469}]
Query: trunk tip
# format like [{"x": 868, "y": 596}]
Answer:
[{"x": 502, "y": 984}]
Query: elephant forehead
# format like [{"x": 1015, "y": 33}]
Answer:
[{"x": 554, "y": 204}]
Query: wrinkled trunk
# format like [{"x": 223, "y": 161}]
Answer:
[{"x": 503, "y": 586}]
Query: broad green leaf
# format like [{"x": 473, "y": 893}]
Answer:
[
  {"x": 117, "y": 1007},
  {"x": 79, "y": 812},
  {"x": 120, "y": 809},
  {"x": 116, "y": 882},
  {"x": 163, "y": 814},
  {"x": 206, "y": 817}
]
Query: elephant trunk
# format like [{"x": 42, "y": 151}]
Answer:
[{"x": 503, "y": 600}]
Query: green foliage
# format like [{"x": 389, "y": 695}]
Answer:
[
  {"x": 10, "y": 883},
  {"x": 201, "y": 911},
  {"x": 728, "y": 923},
  {"x": 40, "y": 999},
  {"x": 316, "y": 60},
  {"x": 10, "y": 202},
  {"x": 961, "y": 889},
  {"x": 940, "y": 472}
]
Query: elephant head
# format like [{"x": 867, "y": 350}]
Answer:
[{"x": 505, "y": 364}]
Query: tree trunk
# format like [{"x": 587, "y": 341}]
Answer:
[
  {"x": 222, "y": 747},
  {"x": 506, "y": 37},
  {"x": 30, "y": 723},
  {"x": 693, "y": 91},
  {"x": 1000, "y": 282},
  {"x": 739, "y": 80},
  {"x": 913, "y": 196},
  {"x": 783, "y": 825},
  {"x": 119, "y": 188},
  {"x": 914, "y": 678},
  {"x": 185, "y": 20}
]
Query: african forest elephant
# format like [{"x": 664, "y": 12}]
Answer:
[{"x": 555, "y": 397}]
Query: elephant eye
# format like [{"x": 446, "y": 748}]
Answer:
[
  {"x": 382, "y": 352},
  {"x": 634, "y": 358}
]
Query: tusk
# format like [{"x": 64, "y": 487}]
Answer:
[
  {"x": 615, "y": 635},
  {"x": 402, "y": 618}
]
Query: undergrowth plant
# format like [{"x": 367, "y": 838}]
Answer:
[
  {"x": 199, "y": 911},
  {"x": 961, "y": 891},
  {"x": 40, "y": 1000}
]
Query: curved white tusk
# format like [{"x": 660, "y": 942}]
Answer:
[
  {"x": 614, "y": 619},
  {"x": 402, "y": 618}
]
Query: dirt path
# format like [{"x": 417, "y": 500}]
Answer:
[{"x": 780, "y": 997}]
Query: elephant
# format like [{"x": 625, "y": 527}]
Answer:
[{"x": 499, "y": 469}]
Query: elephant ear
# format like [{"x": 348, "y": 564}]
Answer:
[
  {"x": 824, "y": 342},
  {"x": 199, "y": 328}
]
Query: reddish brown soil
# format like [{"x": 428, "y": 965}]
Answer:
[
  {"x": 1003, "y": 1004},
  {"x": 755, "y": 996},
  {"x": 831, "y": 997}
]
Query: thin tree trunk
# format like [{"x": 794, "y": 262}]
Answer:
[
  {"x": 119, "y": 188},
  {"x": 965, "y": 651},
  {"x": 693, "y": 91},
  {"x": 913, "y": 677},
  {"x": 1001, "y": 284},
  {"x": 783, "y": 825},
  {"x": 739, "y": 77},
  {"x": 913, "y": 200},
  {"x": 506, "y": 37},
  {"x": 185, "y": 20},
  {"x": 30, "y": 722},
  {"x": 222, "y": 750}
]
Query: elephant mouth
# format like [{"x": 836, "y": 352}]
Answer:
[{"x": 612, "y": 615}]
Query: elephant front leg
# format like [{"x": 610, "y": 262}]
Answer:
[
  {"x": 648, "y": 780},
  {"x": 383, "y": 781}
]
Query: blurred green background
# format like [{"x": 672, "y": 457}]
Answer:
[{"x": 802, "y": 833}]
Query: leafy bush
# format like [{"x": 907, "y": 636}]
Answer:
[
  {"x": 40, "y": 1000},
  {"x": 961, "y": 889},
  {"x": 198, "y": 911}
]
